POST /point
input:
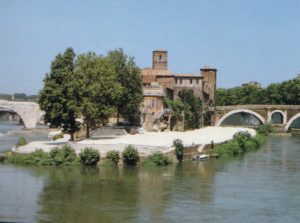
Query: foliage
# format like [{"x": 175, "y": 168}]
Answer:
[
  {"x": 64, "y": 156},
  {"x": 130, "y": 155},
  {"x": 287, "y": 92},
  {"x": 129, "y": 77},
  {"x": 179, "y": 149},
  {"x": 89, "y": 157},
  {"x": 97, "y": 89},
  {"x": 157, "y": 159},
  {"x": 109, "y": 163},
  {"x": 22, "y": 142},
  {"x": 187, "y": 106},
  {"x": 192, "y": 108},
  {"x": 58, "y": 136},
  {"x": 58, "y": 96},
  {"x": 241, "y": 143},
  {"x": 113, "y": 156},
  {"x": 264, "y": 129},
  {"x": 39, "y": 158}
]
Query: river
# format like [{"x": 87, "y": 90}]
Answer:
[{"x": 262, "y": 186}]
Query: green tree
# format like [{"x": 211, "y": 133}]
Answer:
[
  {"x": 98, "y": 89},
  {"x": 129, "y": 77},
  {"x": 57, "y": 96},
  {"x": 192, "y": 108}
]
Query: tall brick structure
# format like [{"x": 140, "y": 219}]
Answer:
[{"x": 203, "y": 86}]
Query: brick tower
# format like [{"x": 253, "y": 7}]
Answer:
[{"x": 160, "y": 60}]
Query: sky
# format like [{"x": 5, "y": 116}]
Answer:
[{"x": 246, "y": 40}]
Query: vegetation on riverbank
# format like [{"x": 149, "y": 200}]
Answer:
[
  {"x": 241, "y": 143},
  {"x": 157, "y": 159},
  {"x": 60, "y": 156}
]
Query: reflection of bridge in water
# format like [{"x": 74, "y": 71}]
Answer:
[
  {"x": 29, "y": 112},
  {"x": 283, "y": 117}
]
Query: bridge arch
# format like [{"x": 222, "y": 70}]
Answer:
[
  {"x": 221, "y": 120},
  {"x": 29, "y": 112},
  {"x": 287, "y": 126},
  {"x": 272, "y": 115}
]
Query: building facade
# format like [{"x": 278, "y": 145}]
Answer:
[{"x": 159, "y": 82}]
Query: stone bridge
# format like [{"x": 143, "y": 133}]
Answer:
[
  {"x": 281, "y": 116},
  {"x": 29, "y": 112}
]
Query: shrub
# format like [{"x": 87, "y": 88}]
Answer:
[
  {"x": 89, "y": 157},
  {"x": 16, "y": 158},
  {"x": 109, "y": 163},
  {"x": 38, "y": 157},
  {"x": 113, "y": 156},
  {"x": 179, "y": 149},
  {"x": 264, "y": 129},
  {"x": 130, "y": 155},
  {"x": 59, "y": 136},
  {"x": 157, "y": 159},
  {"x": 64, "y": 156},
  {"x": 22, "y": 142}
]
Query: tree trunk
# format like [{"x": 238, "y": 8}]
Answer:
[
  {"x": 118, "y": 116},
  {"x": 87, "y": 135},
  {"x": 72, "y": 136}
]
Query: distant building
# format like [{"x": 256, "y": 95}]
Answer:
[
  {"x": 159, "y": 82},
  {"x": 252, "y": 83}
]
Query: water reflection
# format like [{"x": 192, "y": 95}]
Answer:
[
  {"x": 262, "y": 186},
  {"x": 123, "y": 194}
]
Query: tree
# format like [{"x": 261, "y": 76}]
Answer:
[
  {"x": 192, "y": 108},
  {"x": 98, "y": 89},
  {"x": 57, "y": 96},
  {"x": 129, "y": 77}
]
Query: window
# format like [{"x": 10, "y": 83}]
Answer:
[
  {"x": 180, "y": 81},
  {"x": 191, "y": 81},
  {"x": 176, "y": 81},
  {"x": 159, "y": 57},
  {"x": 197, "y": 81}
]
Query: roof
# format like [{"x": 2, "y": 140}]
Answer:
[{"x": 188, "y": 76}]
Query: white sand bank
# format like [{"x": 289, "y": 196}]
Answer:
[{"x": 148, "y": 142}]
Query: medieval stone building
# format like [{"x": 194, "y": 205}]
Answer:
[{"x": 159, "y": 82}]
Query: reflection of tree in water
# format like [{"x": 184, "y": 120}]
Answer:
[
  {"x": 242, "y": 119},
  {"x": 83, "y": 195},
  {"x": 126, "y": 194}
]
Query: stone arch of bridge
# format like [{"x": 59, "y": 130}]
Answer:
[
  {"x": 221, "y": 120},
  {"x": 284, "y": 115},
  {"x": 287, "y": 126},
  {"x": 16, "y": 111},
  {"x": 29, "y": 115}
]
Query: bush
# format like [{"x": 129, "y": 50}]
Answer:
[
  {"x": 264, "y": 129},
  {"x": 241, "y": 143},
  {"x": 39, "y": 158},
  {"x": 157, "y": 159},
  {"x": 16, "y": 158},
  {"x": 59, "y": 136},
  {"x": 113, "y": 156},
  {"x": 21, "y": 142},
  {"x": 241, "y": 138},
  {"x": 64, "y": 156},
  {"x": 130, "y": 156},
  {"x": 89, "y": 157},
  {"x": 179, "y": 149}
]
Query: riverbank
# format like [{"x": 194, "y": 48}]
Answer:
[{"x": 146, "y": 143}]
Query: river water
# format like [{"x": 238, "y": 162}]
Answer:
[{"x": 262, "y": 186}]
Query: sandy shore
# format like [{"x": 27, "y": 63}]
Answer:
[{"x": 146, "y": 143}]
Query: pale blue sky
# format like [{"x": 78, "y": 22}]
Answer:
[{"x": 244, "y": 39}]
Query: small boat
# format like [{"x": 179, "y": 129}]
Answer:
[{"x": 201, "y": 157}]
